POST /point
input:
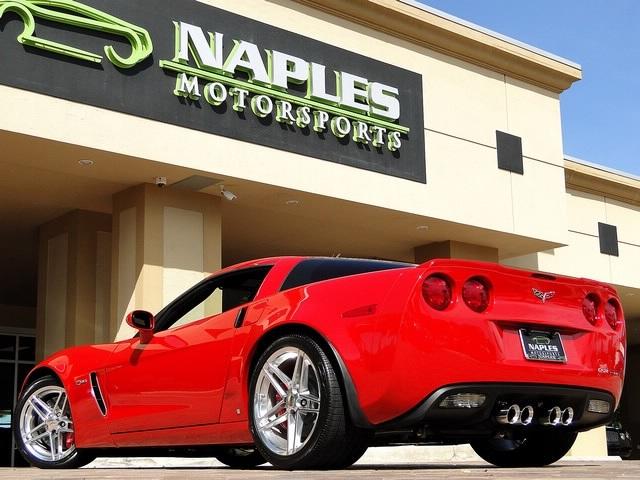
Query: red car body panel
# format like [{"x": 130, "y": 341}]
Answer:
[{"x": 189, "y": 385}]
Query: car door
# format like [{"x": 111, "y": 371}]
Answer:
[{"x": 178, "y": 378}]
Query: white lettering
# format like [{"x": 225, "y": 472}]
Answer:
[
  {"x": 353, "y": 92},
  {"x": 384, "y": 101},
  {"x": 378, "y": 136},
  {"x": 340, "y": 126},
  {"x": 283, "y": 112},
  {"x": 245, "y": 56},
  {"x": 215, "y": 93},
  {"x": 393, "y": 141},
  {"x": 317, "y": 87},
  {"x": 320, "y": 120},
  {"x": 261, "y": 106},
  {"x": 285, "y": 68},
  {"x": 361, "y": 132},
  {"x": 303, "y": 117},
  {"x": 208, "y": 56},
  {"x": 187, "y": 87},
  {"x": 239, "y": 98}
]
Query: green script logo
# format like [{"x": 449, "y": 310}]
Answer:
[
  {"x": 361, "y": 108},
  {"x": 70, "y": 12}
]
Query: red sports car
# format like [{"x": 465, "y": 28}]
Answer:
[{"x": 307, "y": 362}]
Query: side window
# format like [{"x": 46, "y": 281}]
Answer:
[{"x": 211, "y": 297}]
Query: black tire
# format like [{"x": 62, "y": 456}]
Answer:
[
  {"x": 78, "y": 458},
  {"x": 237, "y": 457},
  {"x": 333, "y": 443},
  {"x": 359, "y": 446},
  {"x": 535, "y": 450}
]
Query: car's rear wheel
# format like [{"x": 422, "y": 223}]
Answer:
[
  {"x": 44, "y": 428},
  {"x": 297, "y": 413},
  {"x": 534, "y": 450},
  {"x": 240, "y": 457}
]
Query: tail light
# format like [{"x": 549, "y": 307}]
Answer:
[
  {"x": 611, "y": 313},
  {"x": 475, "y": 293},
  {"x": 590, "y": 308},
  {"x": 436, "y": 291}
]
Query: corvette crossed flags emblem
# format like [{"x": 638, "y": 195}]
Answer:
[{"x": 544, "y": 296}]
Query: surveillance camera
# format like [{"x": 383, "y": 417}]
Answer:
[
  {"x": 229, "y": 195},
  {"x": 161, "y": 181}
]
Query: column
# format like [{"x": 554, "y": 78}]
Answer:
[
  {"x": 164, "y": 241},
  {"x": 73, "y": 281}
]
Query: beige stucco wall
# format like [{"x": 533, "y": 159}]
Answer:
[
  {"x": 582, "y": 257},
  {"x": 464, "y": 105}
]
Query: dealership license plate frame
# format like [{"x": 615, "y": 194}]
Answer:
[{"x": 554, "y": 339}]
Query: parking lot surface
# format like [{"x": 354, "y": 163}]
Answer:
[{"x": 466, "y": 471}]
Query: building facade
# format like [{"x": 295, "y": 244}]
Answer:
[{"x": 144, "y": 148}]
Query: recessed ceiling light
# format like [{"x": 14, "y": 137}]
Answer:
[
  {"x": 85, "y": 162},
  {"x": 292, "y": 202},
  {"x": 422, "y": 227}
]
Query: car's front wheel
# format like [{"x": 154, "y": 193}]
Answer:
[
  {"x": 534, "y": 450},
  {"x": 44, "y": 428},
  {"x": 297, "y": 413}
]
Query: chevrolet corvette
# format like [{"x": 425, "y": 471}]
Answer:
[{"x": 306, "y": 362}]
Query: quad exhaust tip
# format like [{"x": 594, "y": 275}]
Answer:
[
  {"x": 553, "y": 418},
  {"x": 567, "y": 416},
  {"x": 510, "y": 415},
  {"x": 516, "y": 415},
  {"x": 557, "y": 416},
  {"x": 526, "y": 415}
]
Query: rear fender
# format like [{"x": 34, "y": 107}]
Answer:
[{"x": 358, "y": 319}]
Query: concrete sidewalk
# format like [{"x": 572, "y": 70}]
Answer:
[{"x": 459, "y": 471}]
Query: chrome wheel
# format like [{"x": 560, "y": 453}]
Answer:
[
  {"x": 286, "y": 403},
  {"x": 45, "y": 425}
]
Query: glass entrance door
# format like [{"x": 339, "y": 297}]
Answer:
[{"x": 17, "y": 357}]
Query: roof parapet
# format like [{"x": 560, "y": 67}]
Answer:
[
  {"x": 451, "y": 36},
  {"x": 600, "y": 180}
]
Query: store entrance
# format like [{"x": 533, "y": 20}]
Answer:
[{"x": 17, "y": 357}]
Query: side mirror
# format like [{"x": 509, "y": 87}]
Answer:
[{"x": 142, "y": 321}]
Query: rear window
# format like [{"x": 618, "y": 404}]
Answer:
[{"x": 319, "y": 269}]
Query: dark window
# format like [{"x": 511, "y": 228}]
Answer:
[
  {"x": 7, "y": 347},
  {"x": 27, "y": 349},
  {"x": 319, "y": 269},
  {"x": 15, "y": 363},
  {"x": 224, "y": 293},
  {"x": 608, "y": 239},
  {"x": 509, "y": 152}
]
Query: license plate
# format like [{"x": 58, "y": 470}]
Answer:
[{"x": 542, "y": 346}]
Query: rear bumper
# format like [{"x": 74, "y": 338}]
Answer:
[
  {"x": 441, "y": 350},
  {"x": 459, "y": 421}
]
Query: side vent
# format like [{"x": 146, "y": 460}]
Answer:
[{"x": 97, "y": 393}]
